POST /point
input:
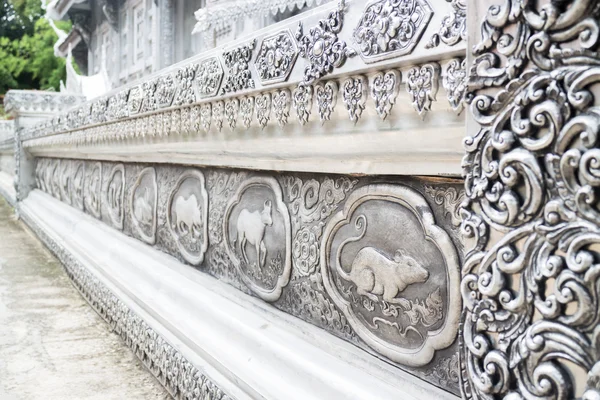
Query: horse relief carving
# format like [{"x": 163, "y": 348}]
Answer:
[
  {"x": 115, "y": 193},
  {"x": 393, "y": 272},
  {"x": 187, "y": 216},
  {"x": 257, "y": 232},
  {"x": 251, "y": 229},
  {"x": 143, "y": 202}
]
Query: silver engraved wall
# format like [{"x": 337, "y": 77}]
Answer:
[
  {"x": 374, "y": 261},
  {"x": 530, "y": 283}
]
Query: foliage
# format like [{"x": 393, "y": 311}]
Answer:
[{"x": 27, "y": 58}]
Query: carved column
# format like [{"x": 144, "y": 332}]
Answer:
[{"x": 530, "y": 283}]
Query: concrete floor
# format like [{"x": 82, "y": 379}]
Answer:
[{"x": 52, "y": 344}]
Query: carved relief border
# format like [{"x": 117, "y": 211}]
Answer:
[
  {"x": 382, "y": 32},
  {"x": 308, "y": 203},
  {"x": 530, "y": 281}
]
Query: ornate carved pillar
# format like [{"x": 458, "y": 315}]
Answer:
[{"x": 530, "y": 284}]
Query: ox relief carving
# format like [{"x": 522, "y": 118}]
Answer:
[
  {"x": 115, "y": 195},
  {"x": 393, "y": 272},
  {"x": 530, "y": 285},
  {"x": 92, "y": 188},
  {"x": 187, "y": 216},
  {"x": 143, "y": 202},
  {"x": 257, "y": 236},
  {"x": 77, "y": 184}
]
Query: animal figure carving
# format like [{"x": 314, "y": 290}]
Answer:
[
  {"x": 78, "y": 184},
  {"x": 94, "y": 189},
  {"x": 142, "y": 207},
  {"x": 115, "y": 191},
  {"x": 251, "y": 228},
  {"x": 188, "y": 216},
  {"x": 374, "y": 273}
]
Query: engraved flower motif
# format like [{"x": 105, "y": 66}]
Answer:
[
  {"x": 390, "y": 27},
  {"x": 386, "y": 24},
  {"x": 305, "y": 251}
]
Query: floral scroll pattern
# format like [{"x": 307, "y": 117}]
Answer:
[
  {"x": 391, "y": 28},
  {"x": 531, "y": 311},
  {"x": 322, "y": 47}
]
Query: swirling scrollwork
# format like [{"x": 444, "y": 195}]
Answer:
[{"x": 532, "y": 172}]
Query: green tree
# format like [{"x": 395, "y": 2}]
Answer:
[{"x": 27, "y": 41}]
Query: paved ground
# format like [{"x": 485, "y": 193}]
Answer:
[{"x": 52, "y": 344}]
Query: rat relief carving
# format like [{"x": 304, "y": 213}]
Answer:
[
  {"x": 393, "y": 272},
  {"x": 257, "y": 236},
  {"x": 143, "y": 201},
  {"x": 187, "y": 216}
]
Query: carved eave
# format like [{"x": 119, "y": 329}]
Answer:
[
  {"x": 232, "y": 106},
  {"x": 58, "y": 9},
  {"x": 71, "y": 41}
]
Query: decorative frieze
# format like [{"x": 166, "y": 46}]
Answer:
[{"x": 317, "y": 247}]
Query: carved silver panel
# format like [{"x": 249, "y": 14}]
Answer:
[
  {"x": 115, "y": 195},
  {"x": 165, "y": 90},
  {"x": 93, "y": 188},
  {"x": 185, "y": 85},
  {"x": 237, "y": 62},
  {"x": 143, "y": 202},
  {"x": 208, "y": 77},
  {"x": 134, "y": 102},
  {"x": 322, "y": 46},
  {"x": 187, "y": 216},
  {"x": 391, "y": 28},
  {"x": 393, "y": 272},
  {"x": 530, "y": 281},
  {"x": 257, "y": 233},
  {"x": 276, "y": 57}
]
